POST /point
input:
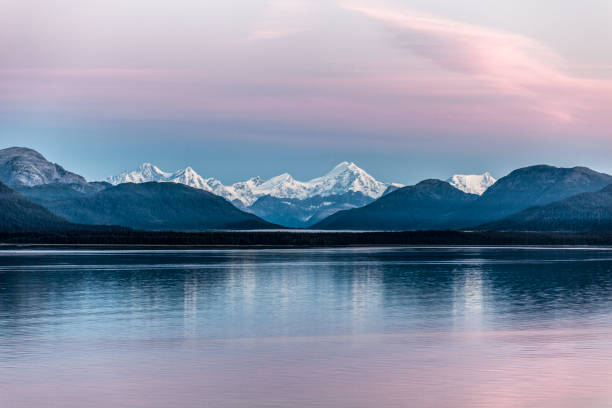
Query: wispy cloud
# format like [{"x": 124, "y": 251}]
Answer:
[
  {"x": 464, "y": 47},
  {"x": 497, "y": 60},
  {"x": 424, "y": 75}
]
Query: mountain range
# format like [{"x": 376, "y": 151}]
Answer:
[
  {"x": 43, "y": 195},
  {"x": 345, "y": 177},
  {"x": 292, "y": 203},
  {"x": 281, "y": 199},
  {"x": 434, "y": 204}
]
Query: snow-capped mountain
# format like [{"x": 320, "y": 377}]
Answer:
[
  {"x": 345, "y": 177},
  {"x": 148, "y": 172},
  {"x": 472, "y": 183},
  {"x": 145, "y": 173},
  {"x": 283, "y": 186},
  {"x": 23, "y": 167}
]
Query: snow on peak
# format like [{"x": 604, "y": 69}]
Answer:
[
  {"x": 472, "y": 183},
  {"x": 145, "y": 173},
  {"x": 344, "y": 166},
  {"x": 343, "y": 178},
  {"x": 20, "y": 166},
  {"x": 283, "y": 178},
  {"x": 346, "y": 177},
  {"x": 148, "y": 172}
]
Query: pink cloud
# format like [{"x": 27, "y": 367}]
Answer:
[
  {"x": 496, "y": 61},
  {"x": 435, "y": 75}
]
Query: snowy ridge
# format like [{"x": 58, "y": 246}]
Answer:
[
  {"x": 20, "y": 166},
  {"x": 145, "y": 173},
  {"x": 345, "y": 177},
  {"x": 148, "y": 172},
  {"x": 472, "y": 183}
]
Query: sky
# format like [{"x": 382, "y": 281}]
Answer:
[{"x": 407, "y": 89}]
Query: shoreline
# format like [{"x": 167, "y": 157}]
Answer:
[{"x": 293, "y": 239}]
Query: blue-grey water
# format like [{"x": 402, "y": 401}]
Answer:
[{"x": 403, "y": 327}]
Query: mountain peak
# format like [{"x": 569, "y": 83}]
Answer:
[
  {"x": 21, "y": 166},
  {"x": 282, "y": 177},
  {"x": 546, "y": 172},
  {"x": 347, "y": 177},
  {"x": 149, "y": 167},
  {"x": 22, "y": 151},
  {"x": 344, "y": 166},
  {"x": 427, "y": 183},
  {"x": 146, "y": 172},
  {"x": 187, "y": 171},
  {"x": 472, "y": 183}
]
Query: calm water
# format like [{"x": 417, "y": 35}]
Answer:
[{"x": 445, "y": 328}]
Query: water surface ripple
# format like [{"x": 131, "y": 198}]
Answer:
[{"x": 385, "y": 327}]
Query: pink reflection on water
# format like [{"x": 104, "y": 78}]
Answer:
[{"x": 539, "y": 368}]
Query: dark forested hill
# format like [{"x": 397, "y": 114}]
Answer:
[
  {"x": 434, "y": 204},
  {"x": 581, "y": 212},
  {"x": 18, "y": 214},
  {"x": 531, "y": 186},
  {"x": 427, "y": 205},
  {"x": 157, "y": 206}
]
